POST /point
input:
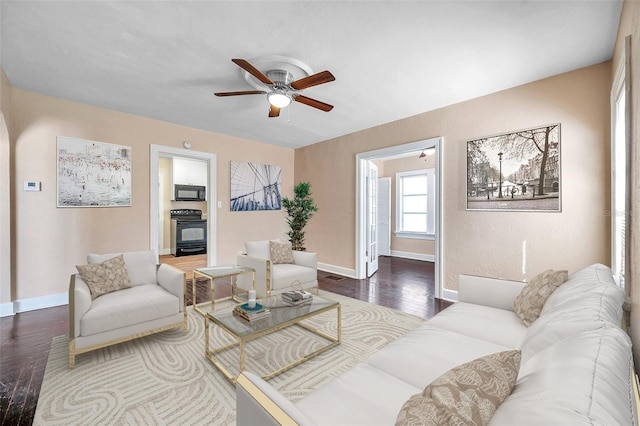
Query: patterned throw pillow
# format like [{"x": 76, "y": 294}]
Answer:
[
  {"x": 102, "y": 278},
  {"x": 280, "y": 252},
  {"x": 529, "y": 303},
  {"x": 468, "y": 394}
]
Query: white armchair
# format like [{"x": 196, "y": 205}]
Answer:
[
  {"x": 154, "y": 302},
  {"x": 275, "y": 278}
]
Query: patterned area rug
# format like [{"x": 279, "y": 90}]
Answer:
[{"x": 166, "y": 379}]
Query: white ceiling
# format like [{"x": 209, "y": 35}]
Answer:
[{"x": 391, "y": 59}]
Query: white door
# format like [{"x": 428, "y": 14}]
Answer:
[
  {"x": 372, "y": 219},
  {"x": 384, "y": 216}
]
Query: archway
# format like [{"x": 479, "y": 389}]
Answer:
[{"x": 6, "y": 292}]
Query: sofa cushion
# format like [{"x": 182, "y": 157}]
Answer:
[
  {"x": 363, "y": 396},
  {"x": 123, "y": 308},
  {"x": 583, "y": 379},
  {"x": 590, "y": 293},
  {"x": 287, "y": 274},
  {"x": 529, "y": 303},
  {"x": 427, "y": 352},
  {"x": 259, "y": 249},
  {"x": 493, "y": 325},
  {"x": 551, "y": 329},
  {"x": 280, "y": 252},
  {"x": 105, "y": 277},
  {"x": 587, "y": 301},
  {"x": 141, "y": 265},
  {"x": 467, "y": 394}
]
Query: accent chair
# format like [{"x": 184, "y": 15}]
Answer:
[
  {"x": 126, "y": 296},
  {"x": 278, "y": 268}
]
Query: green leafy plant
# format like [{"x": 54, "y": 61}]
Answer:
[{"x": 299, "y": 209}]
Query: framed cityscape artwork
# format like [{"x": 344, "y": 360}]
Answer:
[
  {"x": 93, "y": 174},
  {"x": 255, "y": 187},
  {"x": 517, "y": 171}
]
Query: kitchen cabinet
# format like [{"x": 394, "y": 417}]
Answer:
[{"x": 189, "y": 172}]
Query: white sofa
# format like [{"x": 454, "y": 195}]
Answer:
[
  {"x": 275, "y": 278},
  {"x": 575, "y": 369},
  {"x": 155, "y": 302}
]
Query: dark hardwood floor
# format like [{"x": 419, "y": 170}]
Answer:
[
  {"x": 402, "y": 284},
  {"x": 24, "y": 348},
  {"x": 406, "y": 285}
]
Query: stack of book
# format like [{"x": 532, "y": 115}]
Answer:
[
  {"x": 250, "y": 315},
  {"x": 297, "y": 297}
]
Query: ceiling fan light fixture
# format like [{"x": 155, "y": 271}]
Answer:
[{"x": 279, "y": 99}]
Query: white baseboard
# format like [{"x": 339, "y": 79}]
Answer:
[
  {"x": 351, "y": 273},
  {"x": 414, "y": 256},
  {"x": 41, "y": 302},
  {"x": 451, "y": 295},
  {"x": 166, "y": 251},
  {"x": 6, "y": 310}
]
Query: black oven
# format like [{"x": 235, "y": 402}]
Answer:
[{"x": 188, "y": 232}]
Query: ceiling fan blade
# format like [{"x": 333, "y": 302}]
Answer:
[
  {"x": 274, "y": 111},
  {"x": 313, "y": 80},
  {"x": 244, "y": 92},
  {"x": 252, "y": 70},
  {"x": 313, "y": 103}
]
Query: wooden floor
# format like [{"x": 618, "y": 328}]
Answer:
[
  {"x": 186, "y": 263},
  {"x": 406, "y": 285}
]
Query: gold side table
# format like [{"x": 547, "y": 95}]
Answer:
[{"x": 212, "y": 273}]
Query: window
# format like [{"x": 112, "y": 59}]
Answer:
[
  {"x": 415, "y": 204},
  {"x": 619, "y": 178}
]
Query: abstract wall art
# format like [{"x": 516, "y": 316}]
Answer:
[
  {"x": 255, "y": 187},
  {"x": 93, "y": 174}
]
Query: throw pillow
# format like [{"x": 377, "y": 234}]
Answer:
[
  {"x": 465, "y": 395},
  {"x": 280, "y": 252},
  {"x": 102, "y": 278},
  {"x": 529, "y": 303}
]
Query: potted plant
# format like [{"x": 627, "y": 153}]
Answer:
[{"x": 299, "y": 209}]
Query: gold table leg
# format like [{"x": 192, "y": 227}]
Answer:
[{"x": 196, "y": 305}]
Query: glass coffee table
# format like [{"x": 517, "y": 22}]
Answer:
[
  {"x": 212, "y": 273},
  {"x": 282, "y": 316}
]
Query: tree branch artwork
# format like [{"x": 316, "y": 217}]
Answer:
[{"x": 515, "y": 171}]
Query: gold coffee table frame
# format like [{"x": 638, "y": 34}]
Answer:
[
  {"x": 282, "y": 316},
  {"x": 212, "y": 273}
]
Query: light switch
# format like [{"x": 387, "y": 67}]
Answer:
[{"x": 219, "y": 204}]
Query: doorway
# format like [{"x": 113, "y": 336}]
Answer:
[
  {"x": 159, "y": 151},
  {"x": 363, "y": 212}
]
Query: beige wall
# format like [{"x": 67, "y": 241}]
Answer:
[
  {"x": 485, "y": 243},
  {"x": 390, "y": 168},
  {"x": 50, "y": 241},
  {"x": 5, "y": 191},
  {"x": 630, "y": 25}
]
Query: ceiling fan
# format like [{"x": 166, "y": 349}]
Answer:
[{"x": 281, "y": 89}]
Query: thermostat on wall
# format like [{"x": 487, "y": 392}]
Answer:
[{"x": 30, "y": 185}]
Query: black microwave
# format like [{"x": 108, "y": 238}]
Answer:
[{"x": 190, "y": 193}]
